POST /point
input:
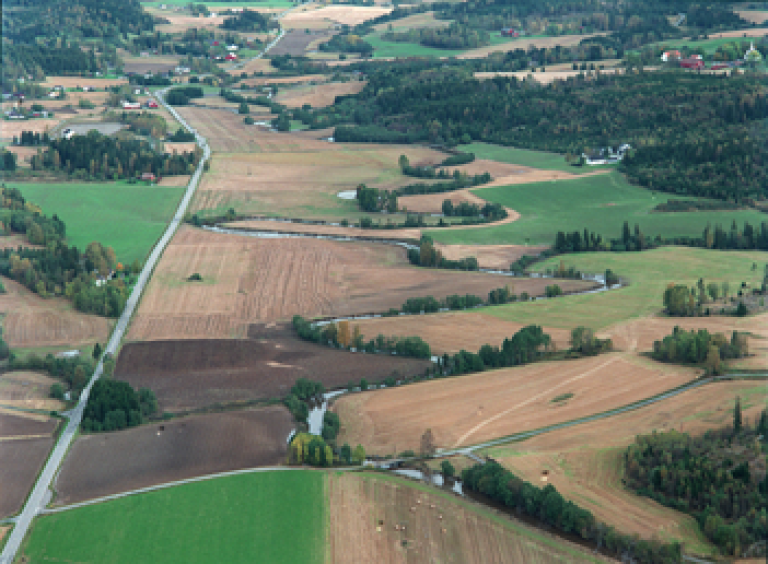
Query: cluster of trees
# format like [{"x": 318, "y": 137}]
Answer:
[
  {"x": 375, "y": 200},
  {"x": 73, "y": 372},
  {"x": 583, "y": 341},
  {"x": 181, "y": 136},
  {"x": 551, "y": 509},
  {"x": 431, "y": 305},
  {"x": 713, "y": 477},
  {"x": 458, "y": 159},
  {"x": 427, "y": 255},
  {"x": 31, "y": 139},
  {"x": 99, "y": 156},
  {"x": 682, "y": 301},
  {"x": 7, "y": 160},
  {"x": 690, "y": 133},
  {"x": 460, "y": 180},
  {"x": 144, "y": 123},
  {"x": 695, "y": 205},
  {"x": 5, "y": 349},
  {"x": 701, "y": 348},
  {"x": 302, "y": 394},
  {"x": 249, "y": 21},
  {"x": 181, "y": 95},
  {"x": 747, "y": 238},
  {"x": 491, "y": 212},
  {"x": 315, "y": 451},
  {"x": 453, "y": 36},
  {"x": 347, "y": 43},
  {"x": 114, "y": 405}
]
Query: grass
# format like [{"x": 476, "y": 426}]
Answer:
[
  {"x": 709, "y": 45},
  {"x": 386, "y": 49},
  {"x": 526, "y": 157},
  {"x": 561, "y": 397},
  {"x": 128, "y": 218},
  {"x": 276, "y": 517},
  {"x": 599, "y": 203},
  {"x": 649, "y": 272}
]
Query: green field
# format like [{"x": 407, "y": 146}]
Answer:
[
  {"x": 648, "y": 273},
  {"x": 526, "y": 157},
  {"x": 386, "y": 49},
  {"x": 128, "y": 218},
  {"x": 599, "y": 203},
  {"x": 274, "y": 517}
]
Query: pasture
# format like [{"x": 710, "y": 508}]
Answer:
[
  {"x": 108, "y": 463},
  {"x": 128, "y": 218},
  {"x": 524, "y": 157},
  {"x": 436, "y": 527},
  {"x": 276, "y": 517},
  {"x": 648, "y": 273},
  {"x": 585, "y": 463},
  {"x": 600, "y": 203},
  {"x": 471, "y": 409}
]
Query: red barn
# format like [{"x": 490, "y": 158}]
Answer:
[
  {"x": 695, "y": 64},
  {"x": 230, "y": 57},
  {"x": 152, "y": 104}
]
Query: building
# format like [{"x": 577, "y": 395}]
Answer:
[
  {"x": 148, "y": 176},
  {"x": 131, "y": 106},
  {"x": 67, "y": 133},
  {"x": 230, "y": 57},
  {"x": 694, "y": 64},
  {"x": 232, "y": 47},
  {"x": 509, "y": 32},
  {"x": 671, "y": 56},
  {"x": 152, "y": 104}
]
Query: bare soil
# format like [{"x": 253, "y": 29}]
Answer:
[
  {"x": 192, "y": 374},
  {"x": 109, "y": 463},
  {"x": 75, "y": 81},
  {"x": 295, "y": 42},
  {"x": 471, "y": 409}
]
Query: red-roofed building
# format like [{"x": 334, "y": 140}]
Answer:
[
  {"x": 671, "y": 56},
  {"x": 695, "y": 64},
  {"x": 230, "y": 57}
]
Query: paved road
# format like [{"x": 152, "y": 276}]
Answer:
[{"x": 40, "y": 494}]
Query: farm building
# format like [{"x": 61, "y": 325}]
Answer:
[
  {"x": 148, "y": 176},
  {"x": 509, "y": 32},
  {"x": 131, "y": 106},
  {"x": 692, "y": 63},
  {"x": 230, "y": 57},
  {"x": 671, "y": 56},
  {"x": 151, "y": 104}
]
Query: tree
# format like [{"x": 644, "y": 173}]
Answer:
[
  {"x": 57, "y": 391},
  {"x": 428, "y": 443},
  {"x": 243, "y": 108},
  {"x": 345, "y": 455},
  {"x": 447, "y": 469},
  {"x": 97, "y": 350},
  {"x": 359, "y": 454},
  {"x": 737, "y": 423}
]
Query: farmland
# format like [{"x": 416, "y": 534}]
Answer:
[
  {"x": 32, "y": 321},
  {"x": 599, "y": 203},
  {"x": 317, "y": 96},
  {"x": 104, "y": 464},
  {"x": 438, "y": 527},
  {"x": 471, "y": 409},
  {"x": 251, "y": 279},
  {"x": 524, "y": 157},
  {"x": 275, "y": 517},
  {"x": 28, "y": 390},
  {"x": 584, "y": 463},
  {"x": 25, "y": 440},
  {"x": 128, "y": 218},
  {"x": 191, "y": 374},
  {"x": 349, "y": 15},
  {"x": 297, "y": 42}
]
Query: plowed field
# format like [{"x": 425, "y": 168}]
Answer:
[
  {"x": 192, "y": 374},
  {"x": 584, "y": 462},
  {"x": 250, "y": 279},
  {"x": 103, "y": 464},
  {"x": 31, "y": 321},
  {"x": 436, "y": 527},
  {"x": 471, "y": 409}
]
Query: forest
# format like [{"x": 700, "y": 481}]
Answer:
[
  {"x": 248, "y": 21},
  {"x": 454, "y": 36},
  {"x": 719, "y": 478},
  {"x": 690, "y": 134}
]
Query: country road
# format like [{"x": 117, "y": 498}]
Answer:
[{"x": 40, "y": 493}]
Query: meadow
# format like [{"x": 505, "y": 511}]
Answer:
[
  {"x": 128, "y": 218},
  {"x": 526, "y": 157},
  {"x": 276, "y": 517},
  {"x": 648, "y": 273},
  {"x": 599, "y": 203},
  {"x": 385, "y": 49}
]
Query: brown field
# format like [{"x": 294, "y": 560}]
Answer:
[
  {"x": 182, "y": 22},
  {"x": 753, "y": 16},
  {"x": 456, "y": 330},
  {"x": 524, "y": 43},
  {"x": 174, "y": 180},
  {"x": 28, "y": 390},
  {"x": 250, "y": 279},
  {"x": 424, "y": 20},
  {"x": 490, "y": 256},
  {"x": 109, "y": 463},
  {"x": 14, "y": 242},
  {"x": 262, "y": 81},
  {"x": 13, "y": 127},
  {"x": 349, "y": 15},
  {"x": 584, "y": 463},
  {"x": 296, "y": 42},
  {"x": 541, "y": 77},
  {"x": 318, "y": 96},
  {"x": 748, "y": 32},
  {"x": 150, "y": 64},
  {"x": 75, "y": 81},
  {"x": 25, "y": 440},
  {"x": 252, "y": 66},
  {"x": 438, "y": 527},
  {"x": 31, "y": 321},
  {"x": 471, "y": 409},
  {"x": 179, "y": 148},
  {"x": 23, "y": 154},
  {"x": 190, "y": 374}
]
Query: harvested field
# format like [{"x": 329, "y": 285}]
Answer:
[
  {"x": 32, "y": 321},
  {"x": 747, "y": 32},
  {"x": 584, "y": 463},
  {"x": 753, "y": 16},
  {"x": 490, "y": 256},
  {"x": 23, "y": 155},
  {"x": 191, "y": 374},
  {"x": 142, "y": 65},
  {"x": 14, "y": 242},
  {"x": 471, "y": 409},
  {"x": 75, "y": 81},
  {"x": 13, "y": 128},
  {"x": 182, "y": 22},
  {"x": 541, "y": 77},
  {"x": 318, "y": 96},
  {"x": 262, "y": 81},
  {"x": 349, "y": 15},
  {"x": 424, "y": 20},
  {"x": 252, "y": 66},
  {"x": 109, "y": 463},
  {"x": 524, "y": 43},
  {"x": 19, "y": 424},
  {"x": 103, "y": 127},
  {"x": 179, "y": 148},
  {"x": 174, "y": 180},
  {"x": 436, "y": 527},
  {"x": 295, "y": 42},
  {"x": 250, "y": 279},
  {"x": 28, "y": 390},
  {"x": 453, "y": 331}
]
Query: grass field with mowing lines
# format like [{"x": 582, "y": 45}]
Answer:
[
  {"x": 128, "y": 218},
  {"x": 275, "y": 517},
  {"x": 526, "y": 157},
  {"x": 599, "y": 203},
  {"x": 648, "y": 272}
]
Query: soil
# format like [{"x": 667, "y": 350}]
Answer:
[
  {"x": 295, "y": 42},
  {"x": 318, "y": 96},
  {"x": 22, "y": 460},
  {"x": 75, "y": 81},
  {"x": 547, "y": 77},
  {"x": 193, "y": 374},
  {"x": 108, "y": 463},
  {"x": 471, "y": 409},
  {"x": 17, "y": 424},
  {"x": 753, "y": 16},
  {"x": 262, "y": 81}
]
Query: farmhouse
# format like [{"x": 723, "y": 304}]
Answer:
[
  {"x": 692, "y": 63},
  {"x": 230, "y": 57},
  {"x": 68, "y": 133},
  {"x": 670, "y": 56},
  {"x": 131, "y": 105},
  {"x": 509, "y": 32},
  {"x": 606, "y": 155},
  {"x": 151, "y": 104},
  {"x": 148, "y": 176}
]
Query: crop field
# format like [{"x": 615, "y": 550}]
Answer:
[
  {"x": 301, "y": 79},
  {"x": 128, "y": 218},
  {"x": 467, "y": 410},
  {"x": 648, "y": 273},
  {"x": 319, "y": 95},
  {"x": 28, "y": 390},
  {"x": 505, "y": 45},
  {"x": 526, "y": 158},
  {"x": 547, "y": 77},
  {"x": 75, "y": 81},
  {"x": 754, "y": 16},
  {"x": 436, "y": 527},
  {"x": 252, "y": 279},
  {"x": 349, "y": 15},
  {"x": 191, "y": 374},
  {"x": 13, "y": 128},
  {"x": 108, "y": 463},
  {"x": 423, "y": 20},
  {"x": 276, "y": 517},
  {"x": 296, "y": 42},
  {"x": 32, "y": 321},
  {"x": 599, "y": 203},
  {"x": 584, "y": 463},
  {"x": 25, "y": 440}
]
